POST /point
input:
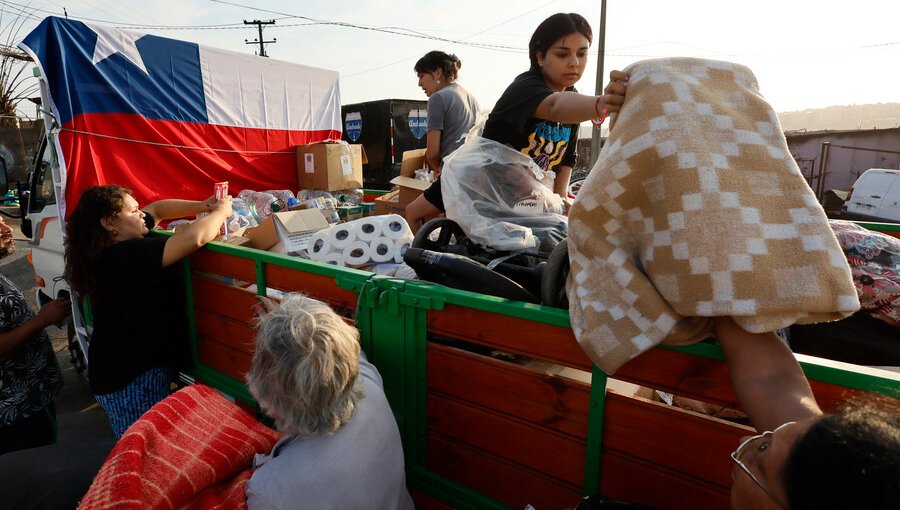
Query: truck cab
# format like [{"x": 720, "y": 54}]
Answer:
[{"x": 41, "y": 224}]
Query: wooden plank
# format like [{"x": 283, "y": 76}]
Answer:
[
  {"x": 708, "y": 379},
  {"x": 547, "y": 400},
  {"x": 629, "y": 479},
  {"x": 222, "y": 264},
  {"x": 481, "y": 403},
  {"x": 538, "y": 448},
  {"x": 692, "y": 445},
  {"x": 238, "y": 336},
  {"x": 682, "y": 374},
  {"x": 223, "y": 358},
  {"x": 323, "y": 288},
  {"x": 223, "y": 299},
  {"x": 533, "y": 339},
  {"x": 670, "y": 371},
  {"x": 500, "y": 480}
]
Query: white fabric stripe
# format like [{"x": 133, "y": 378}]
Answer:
[{"x": 249, "y": 91}]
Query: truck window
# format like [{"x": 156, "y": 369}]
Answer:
[{"x": 42, "y": 192}]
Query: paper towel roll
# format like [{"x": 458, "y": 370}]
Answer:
[
  {"x": 395, "y": 227},
  {"x": 367, "y": 229},
  {"x": 400, "y": 246},
  {"x": 319, "y": 245},
  {"x": 356, "y": 254},
  {"x": 333, "y": 258},
  {"x": 341, "y": 236},
  {"x": 381, "y": 249}
]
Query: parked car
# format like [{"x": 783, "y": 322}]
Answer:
[{"x": 875, "y": 196}]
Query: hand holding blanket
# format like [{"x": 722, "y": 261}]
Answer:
[{"x": 696, "y": 209}]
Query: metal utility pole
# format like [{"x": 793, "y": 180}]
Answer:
[
  {"x": 598, "y": 86},
  {"x": 259, "y": 25}
]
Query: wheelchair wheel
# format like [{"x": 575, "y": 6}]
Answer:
[
  {"x": 449, "y": 233},
  {"x": 553, "y": 280}
]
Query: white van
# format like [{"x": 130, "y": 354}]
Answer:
[{"x": 875, "y": 195}]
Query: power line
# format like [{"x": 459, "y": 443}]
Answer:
[{"x": 395, "y": 31}]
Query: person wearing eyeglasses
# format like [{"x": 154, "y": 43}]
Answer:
[{"x": 805, "y": 459}]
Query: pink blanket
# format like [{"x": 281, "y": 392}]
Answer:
[{"x": 192, "y": 450}]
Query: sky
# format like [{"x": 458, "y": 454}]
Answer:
[{"x": 805, "y": 54}]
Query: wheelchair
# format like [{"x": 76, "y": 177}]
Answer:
[{"x": 442, "y": 253}]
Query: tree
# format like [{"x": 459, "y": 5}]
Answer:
[{"x": 14, "y": 64}]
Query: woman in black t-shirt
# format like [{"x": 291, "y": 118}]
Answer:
[
  {"x": 540, "y": 111},
  {"x": 140, "y": 333}
]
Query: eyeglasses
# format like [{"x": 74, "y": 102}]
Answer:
[{"x": 758, "y": 444}]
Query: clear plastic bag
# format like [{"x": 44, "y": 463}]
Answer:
[
  {"x": 282, "y": 198},
  {"x": 308, "y": 194},
  {"x": 241, "y": 216},
  {"x": 349, "y": 197},
  {"x": 258, "y": 202},
  {"x": 496, "y": 195}
]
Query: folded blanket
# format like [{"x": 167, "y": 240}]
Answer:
[
  {"x": 696, "y": 209},
  {"x": 192, "y": 450}
]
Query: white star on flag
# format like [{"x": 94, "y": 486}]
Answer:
[{"x": 111, "y": 40}]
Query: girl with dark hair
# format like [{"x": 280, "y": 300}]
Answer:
[
  {"x": 451, "y": 114},
  {"x": 540, "y": 111},
  {"x": 134, "y": 349}
]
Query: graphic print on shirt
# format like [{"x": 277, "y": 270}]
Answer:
[{"x": 547, "y": 143}]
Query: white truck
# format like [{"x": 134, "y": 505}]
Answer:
[
  {"x": 163, "y": 117},
  {"x": 875, "y": 196}
]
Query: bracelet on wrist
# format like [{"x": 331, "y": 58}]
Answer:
[{"x": 601, "y": 112}]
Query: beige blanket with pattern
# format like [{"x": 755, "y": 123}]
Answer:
[{"x": 696, "y": 209}]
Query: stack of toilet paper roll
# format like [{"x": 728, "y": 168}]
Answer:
[{"x": 370, "y": 240}]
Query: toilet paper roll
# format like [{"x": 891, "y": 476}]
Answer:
[
  {"x": 381, "y": 249},
  {"x": 400, "y": 246},
  {"x": 367, "y": 229},
  {"x": 341, "y": 236},
  {"x": 356, "y": 254},
  {"x": 333, "y": 258},
  {"x": 395, "y": 227},
  {"x": 319, "y": 245}
]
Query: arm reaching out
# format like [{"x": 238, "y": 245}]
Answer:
[
  {"x": 572, "y": 107},
  {"x": 174, "y": 208},
  {"x": 198, "y": 233},
  {"x": 769, "y": 382}
]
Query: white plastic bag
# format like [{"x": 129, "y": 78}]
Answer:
[{"x": 496, "y": 196}]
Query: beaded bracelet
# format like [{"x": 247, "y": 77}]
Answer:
[{"x": 601, "y": 114}]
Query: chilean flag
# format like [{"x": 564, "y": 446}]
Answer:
[{"x": 169, "y": 118}]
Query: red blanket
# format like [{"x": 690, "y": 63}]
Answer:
[{"x": 192, "y": 450}]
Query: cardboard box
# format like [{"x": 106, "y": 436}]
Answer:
[
  {"x": 262, "y": 236},
  {"x": 410, "y": 187},
  {"x": 291, "y": 228},
  {"x": 234, "y": 240},
  {"x": 330, "y": 166},
  {"x": 350, "y": 212},
  {"x": 389, "y": 203},
  {"x": 295, "y": 228}
]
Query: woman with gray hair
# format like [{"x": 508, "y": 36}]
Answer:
[{"x": 341, "y": 447}]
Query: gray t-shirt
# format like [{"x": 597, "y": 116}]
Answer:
[
  {"x": 452, "y": 110},
  {"x": 359, "y": 466}
]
